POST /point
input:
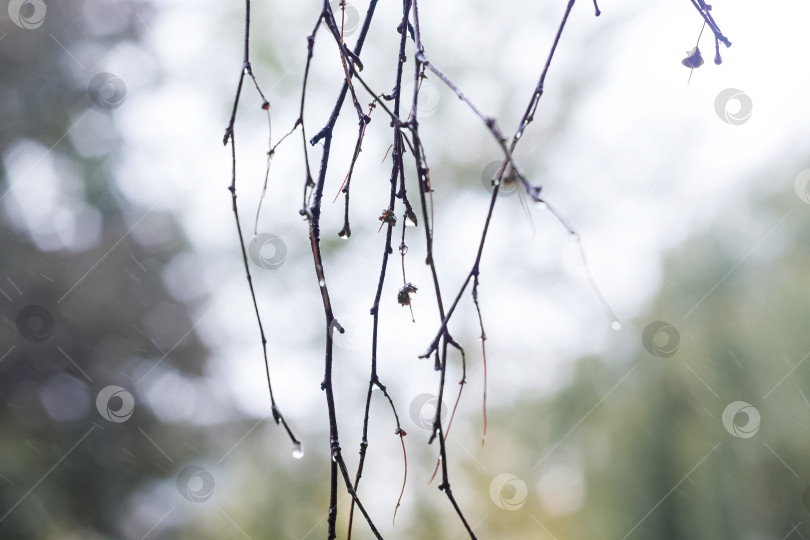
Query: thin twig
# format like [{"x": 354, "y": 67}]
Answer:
[{"x": 230, "y": 136}]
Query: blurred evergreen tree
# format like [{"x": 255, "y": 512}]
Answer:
[{"x": 92, "y": 262}]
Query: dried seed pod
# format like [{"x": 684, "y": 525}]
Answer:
[{"x": 693, "y": 59}]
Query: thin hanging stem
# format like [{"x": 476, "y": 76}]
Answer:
[{"x": 230, "y": 136}]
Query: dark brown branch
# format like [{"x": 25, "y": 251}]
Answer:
[
  {"x": 387, "y": 250},
  {"x": 313, "y": 213},
  {"x": 705, "y": 11}
]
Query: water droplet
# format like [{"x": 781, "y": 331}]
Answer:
[
  {"x": 343, "y": 235},
  {"x": 575, "y": 238},
  {"x": 298, "y": 450},
  {"x": 409, "y": 222},
  {"x": 321, "y": 283},
  {"x": 542, "y": 205},
  {"x": 616, "y": 325}
]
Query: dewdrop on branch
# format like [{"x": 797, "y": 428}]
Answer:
[{"x": 298, "y": 450}]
